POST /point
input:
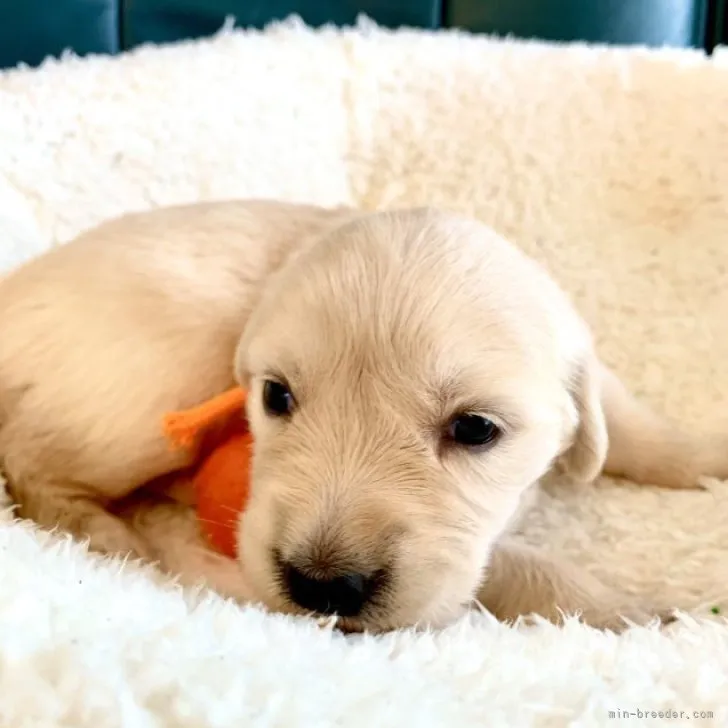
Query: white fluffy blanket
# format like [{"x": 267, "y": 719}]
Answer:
[{"x": 609, "y": 165}]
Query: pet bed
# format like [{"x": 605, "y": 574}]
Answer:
[{"x": 609, "y": 165}]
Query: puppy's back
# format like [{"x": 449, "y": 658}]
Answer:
[{"x": 136, "y": 317}]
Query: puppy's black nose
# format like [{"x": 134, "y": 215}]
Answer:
[{"x": 343, "y": 595}]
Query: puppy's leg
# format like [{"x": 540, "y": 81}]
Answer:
[
  {"x": 59, "y": 479},
  {"x": 521, "y": 581},
  {"x": 75, "y": 509},
  {"x": 182, "y": 551},
  {"x": 647, "y": 448}
]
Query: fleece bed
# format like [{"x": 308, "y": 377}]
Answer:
[{"x": 609, "y": 165}]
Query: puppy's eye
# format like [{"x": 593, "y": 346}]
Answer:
[
  {"x": 277, "y": 399},
  {"x": 472, "y": 430}
]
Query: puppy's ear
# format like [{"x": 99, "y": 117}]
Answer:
[
  {"x": 240, "y": 369},
  {"x": 585, "y": 458}
]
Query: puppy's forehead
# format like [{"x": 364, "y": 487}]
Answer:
[{"x": 420, "y": 293}]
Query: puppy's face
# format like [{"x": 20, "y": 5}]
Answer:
[{"x": 410, "y": 377}]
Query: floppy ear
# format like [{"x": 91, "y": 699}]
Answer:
[{"x": 585, "y": 459}]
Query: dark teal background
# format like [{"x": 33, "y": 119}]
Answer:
[
  {"x": 650, "y": 22},
  {"x": 166, "y": 20},
  {"x": 30, "y": 30}
]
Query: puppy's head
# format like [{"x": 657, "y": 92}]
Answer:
[{"x": 410, "y": 376}]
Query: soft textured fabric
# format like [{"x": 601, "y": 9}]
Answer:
[{"x": 609, "y": 165}]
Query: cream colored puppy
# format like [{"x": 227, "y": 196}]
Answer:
[{"x": 412, "y": 376}]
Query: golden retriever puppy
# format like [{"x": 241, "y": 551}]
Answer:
[{"x": 412, "y": 376}]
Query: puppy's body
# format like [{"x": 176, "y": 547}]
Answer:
[
  {"x": 103, "y": 336},
  {"x": 384, "y": 326}
]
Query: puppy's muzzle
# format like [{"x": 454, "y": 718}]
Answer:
[{"x": 344, "y": 594}]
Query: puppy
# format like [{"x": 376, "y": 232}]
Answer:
[{"x": 412, "y": 375}]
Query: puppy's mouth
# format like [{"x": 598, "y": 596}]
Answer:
[
  {"x": 349, "y": 625},
  {"x": 372, "y": 622}
]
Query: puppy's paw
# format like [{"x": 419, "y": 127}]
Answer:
[
  {"x": 121, "y": 541},
  {"x": 688, "y": 465},
  {"x": 713, "y": 460},
  {"x": 618, "y": 619}
]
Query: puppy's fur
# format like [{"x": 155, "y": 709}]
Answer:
[{"x": 385, "y": 326}]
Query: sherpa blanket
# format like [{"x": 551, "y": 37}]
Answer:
[{"x": 610, "y": 165}]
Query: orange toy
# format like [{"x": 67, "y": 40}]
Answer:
[{"x": 217, "y": 430}]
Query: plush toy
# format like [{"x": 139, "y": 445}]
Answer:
[{"x": 217, "y": 431}]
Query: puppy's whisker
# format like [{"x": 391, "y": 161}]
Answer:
[{"x": 232, "y": 522}]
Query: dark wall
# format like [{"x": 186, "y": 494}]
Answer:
[{"x": 30, "y": 30}]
